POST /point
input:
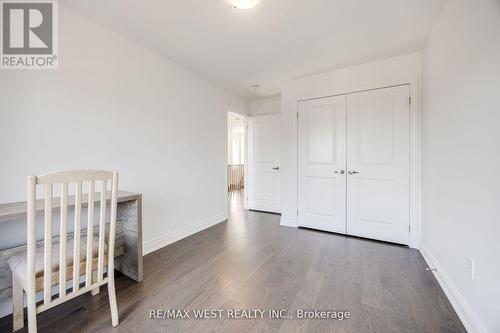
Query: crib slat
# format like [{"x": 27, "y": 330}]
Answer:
[
  {"x": 63, "y": 238},
  {"x": 102, "y": 232},
  {"x": 77, "y": 232},
  {"x": 90, "y": 234},
  {"x": 47, "y": 267}
]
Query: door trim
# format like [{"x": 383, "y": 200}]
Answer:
[
  {"x": 415, "y": 163},
  {"x": 226, "y": 158}
]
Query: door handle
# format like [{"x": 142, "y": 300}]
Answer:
[
  {"x": 352, "y": 172},
  {"x": 340, "y": 172},
  {"x": 276, "y": 168}
]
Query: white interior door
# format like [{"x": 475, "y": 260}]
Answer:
[
  {"x": 378, "y": 157},
  {"x": 263, "y": 163},
  {"x": 322, "y": 164}
]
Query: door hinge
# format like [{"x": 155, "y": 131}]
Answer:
[
  {"x": 409, "y": 228},
  {"x": 297, "y": 212},
  {"x": 409, "y": 100},
  {"x": 297, "y": 114}
]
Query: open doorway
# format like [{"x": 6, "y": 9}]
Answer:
[{"x": 235, "y": 159}]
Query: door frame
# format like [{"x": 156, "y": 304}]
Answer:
[
  {"x": 226, "y": 159},
  {"x": 415, "y": 163}
]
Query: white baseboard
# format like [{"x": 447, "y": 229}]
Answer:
[
  {"x": 462, "y": 308},
  {"x": 287, "y": 221},
  {"x": 177, "y": 235}
]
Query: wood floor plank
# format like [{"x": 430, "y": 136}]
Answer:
[{"x": 251, "y": 262}]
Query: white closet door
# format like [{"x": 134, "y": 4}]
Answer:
[
  {"x": 378, "y": 153},
  {"x": 322, "y": 164},
  {"x": 263, "y": 163}
]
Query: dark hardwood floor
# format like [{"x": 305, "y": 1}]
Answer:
[{"x": 250, "y": 262}]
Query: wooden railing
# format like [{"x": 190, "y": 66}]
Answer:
[{"x": 235, "y": 177}]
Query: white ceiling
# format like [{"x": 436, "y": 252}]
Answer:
[{"x": 277, "y": 41}]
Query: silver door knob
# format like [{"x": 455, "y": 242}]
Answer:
[
  {"x": 340, "y": 172},
  {"x": 276, "y": 168},
  {"x": 352, "y": 172}
]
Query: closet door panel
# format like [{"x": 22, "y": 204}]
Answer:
[
  {"x": 378, "y": 158},
  {"x": 322, "y": 163}
]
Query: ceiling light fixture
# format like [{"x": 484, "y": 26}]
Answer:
[{"x": 243, "y": 4}]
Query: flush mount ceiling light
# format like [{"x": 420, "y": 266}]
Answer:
[{"x": 243, "y": 4}]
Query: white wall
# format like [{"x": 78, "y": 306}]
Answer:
[
  {"x": 269, "y": 105},
  {"x": 116, "y": 105},
  {"x": 384, "y": 73},
  {"x": 461, "y": 158}
]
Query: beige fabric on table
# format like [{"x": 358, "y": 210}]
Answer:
[{"x": 18, "y": 262}]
